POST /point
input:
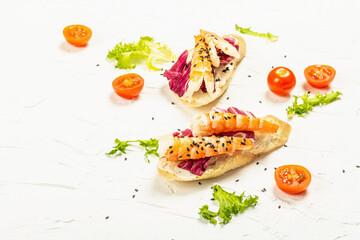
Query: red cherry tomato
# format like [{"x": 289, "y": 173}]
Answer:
[
  {"x": 319, "y": 76},
  {"x": 77, "y": 35},
  {"x": 292, "y": 179},
  {"x": 128, "y": 85},
  {"x": 281, "y": 81}
]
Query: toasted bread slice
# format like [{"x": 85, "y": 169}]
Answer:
[
  {"x": 200, "y": 98},
  {"x": 264, "y": 143}
]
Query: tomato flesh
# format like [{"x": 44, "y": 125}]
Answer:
[
  {"x": 292, "y": 179},
  {"x": 128, "y": 86},
  {"x": 77, "y": 35},
  {"x": 281, "y": 81},
  {"x": 319, "y": 76}
]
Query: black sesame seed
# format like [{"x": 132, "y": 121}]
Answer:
[
  {"x": 260, "y": 102},
  {"x": 343, "y": 170},
  {"x": 217, "y": 80},
  {"x": 223, "y": 144},
  {"x": 197, "y": 152},
  {"x": 227, "y": 98},
  {"x": 97, "y": 65},
  {"x": 265, "y": 169},
  {"x": 170, "y": 146},
  {"x": 172, "y": 103},
  {"x": 188, "y": 149},
  {"x": 171, "y": 151},
  {"x": 217, "y": 141},
  {"x": 257, "y": 163},
  {"x": 215, "y": 150},
  {"x": 188, "y": 155},
  {"x": 125, "y": 159},
  {"x": 228, "y": 142},
  {"x": 284, "y": 56},
  {"x": 231, "y": 63},
  {"x": 236, "y": 180},
  {"x": 191, "y": 145},
  {"x": 279, "y": 206},
  {"x": 136, "y": 190},
  {"x": 199, "y": 183},
  {"x": 212, "y": 116},
  {"x": 180, "y": 157},
  {"x": 358, "y": 166},
  {"x": 272, "y": 66},
  {"x": 249, "y": 75},
  {"x": 202, "y": 148},
  {"x": 242, "y": 143},
  {"x": 212, "y": 199},
  {"x": 203, "y": 139},
  {"x": 107, "y": 217},
  {"x": 285, "y": 145},
  {"x": 179, "y": 129},
  {"x": 274, "y": 168},
  {"x": 133, "y": 196},
  {"x": 152, "y": 118}
]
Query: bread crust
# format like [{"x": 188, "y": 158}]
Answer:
[
  {"x": 264, "y": 143},
  {"x": 203, "y": 99}
]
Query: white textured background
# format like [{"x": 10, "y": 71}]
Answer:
[{"x": 59, "y": 115}]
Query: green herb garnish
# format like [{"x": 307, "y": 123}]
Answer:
[
  {"x": 308, "y": 103},
  {"x": 229, "y": 204},
  {"x": 151, "y": 147},
  {"x": 146, "y": 49},
  {"x": 269, "y": 36}
]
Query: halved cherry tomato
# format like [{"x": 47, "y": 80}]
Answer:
[
  {"x": 319, "y": 76},
  {"x": 128, "y": 85},
  {"x": 77, "y": 35},
  {"x": 281, "y": 81},
  {"x": 292, "y": 179}
]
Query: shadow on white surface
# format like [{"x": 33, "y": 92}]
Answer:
[
  {"x": 117, "y": 100},
  {"x": 288, "y": 198},
  {"x": 308, "y": 88},
  {"x": 275, "y": 98},
  {"x": 171, "y": 97},
  {"x": 67, "y": 47}
]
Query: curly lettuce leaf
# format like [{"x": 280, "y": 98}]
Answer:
[
  {"x": 208, "y": 215},
  {"x": 230, "y": 204},
  {"x": 146, "y": 49},
  {"x": 308, "y": 103},
  {"x": 268, "y": 35},
  {"x": 151, "y": 147}
]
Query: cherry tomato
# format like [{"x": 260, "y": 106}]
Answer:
[
  {"x": 128, "y": 85},
  {"x": 292, "y": 179},
  {"x": 319, "y": 76},
  {"x": 281, "y": 81},
  {"x": 77, "y": 35}
]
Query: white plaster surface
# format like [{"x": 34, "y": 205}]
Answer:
[{"x": 59, "y": 115}]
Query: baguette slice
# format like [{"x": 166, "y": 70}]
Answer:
[
  {"x": 264, "y": 143},
  {"x": 200, "y": 98}
]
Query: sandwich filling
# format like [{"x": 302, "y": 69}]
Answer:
[
  {"x": 205, "y": 68},
  {"x": 185, "y": 152}
]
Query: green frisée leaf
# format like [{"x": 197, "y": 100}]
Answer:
[
  {"x": 302, "y": 109},
  {"x": 146, "y": 49},
  {"x": 269, "y": 36},
  {"x": 208, "y": 215},
  {"x": 230, "y": 204},
  {"x": 151, "y": 147}
]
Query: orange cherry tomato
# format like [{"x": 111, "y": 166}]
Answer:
[
  {"x": 77, "y": 35},
  {"x": 292, "y": 179},
  {"x": 128, "y": 85},
  {"x": 319, "y": 76},
  {"x": 281, "y": 81}
]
